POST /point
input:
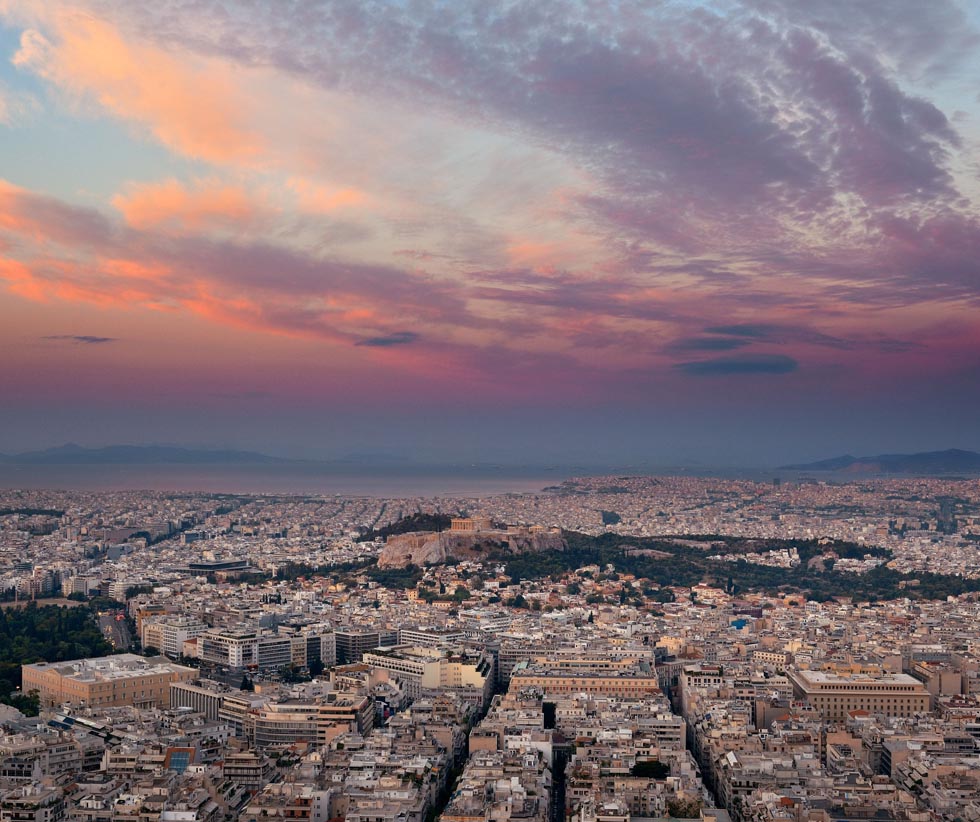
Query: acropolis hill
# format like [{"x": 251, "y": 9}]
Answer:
[{"x": 467, "y": 538}]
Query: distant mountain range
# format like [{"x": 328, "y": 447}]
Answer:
[
  {"x": 952, "y": 461},
  {"x": 71, "y": 454}
]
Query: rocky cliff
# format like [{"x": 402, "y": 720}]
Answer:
[{"x": 431, "y": 548}]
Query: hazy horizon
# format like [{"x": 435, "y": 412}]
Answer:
[{"x": 379, "y": 459}]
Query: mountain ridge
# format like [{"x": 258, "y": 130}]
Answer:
[
  {"x": 73, "y": 454},
  {"x": 950, "y": 461}
]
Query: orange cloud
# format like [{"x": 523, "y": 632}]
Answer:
[
  {"x": 191, "y": 105},
  {"x": 103, "y": 283},
  {"x": 534, "y": 254},
  {"x": 22, "y": 281},
  {"x": 320, "y": 199},
  {"x": 10, "y": 218},
  {"x": 172, "y": 205},
  {"x": 133, "y": 270}
]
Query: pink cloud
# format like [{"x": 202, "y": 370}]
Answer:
[
  {"x": 531, "y": 330},
  {"x": 171, "y": 205},
  {"x": 190, "y": 104}
]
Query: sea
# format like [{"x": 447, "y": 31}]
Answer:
[
  {"x": 314, "y": 479},
  {"x": 386, "y": 481}
]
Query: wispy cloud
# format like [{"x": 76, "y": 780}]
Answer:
[
  {"x": 16, "y": 107},
  {"x": 397, "y": 338},
  {"x": 706, "y": 344},
  {"x": 755, "y": 330},
  {"x": 85, "y": 339},
  {"x": 748, "y": 364}
]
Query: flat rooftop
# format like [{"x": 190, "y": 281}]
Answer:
[
  {"x": 830, "y": 678},
  {"x": 108, "y": 668}
]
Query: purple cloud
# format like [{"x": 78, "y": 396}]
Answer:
[
  {"x": 707, "y": 344},
  {"x": 752, "y": 102}
]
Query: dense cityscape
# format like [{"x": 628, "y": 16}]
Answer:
[{"x": 609, "y": 649}]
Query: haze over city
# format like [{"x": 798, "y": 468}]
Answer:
[{"x": 721, "y": 233}]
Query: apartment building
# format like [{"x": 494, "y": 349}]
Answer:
[
  {"x": 353, "y": 643},
  {"x": 231, "y": 647},
  {"x": 169, "y": 633},
  {"x": 302, "y": 720},
  {"x": 420, "y": 668},
  {"x": 609, "y": 683}
]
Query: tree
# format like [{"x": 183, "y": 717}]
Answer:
[
  {"x": 28, "y": 704},
  {"x": 414, "y": 522},
  {"x": 101, "y": 603},
  {"x": 684, "y": 808},
  {"x": 651, "y": 768},
  {"x": 48, "y": 633},
  {"x": 247, "y": 684},
  {"x": 291, "y": 673},
  {"x": 136, "y": 590}
]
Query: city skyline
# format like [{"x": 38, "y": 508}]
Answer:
[{"x": 725, "y": 233}]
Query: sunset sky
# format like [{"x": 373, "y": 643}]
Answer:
[{"x": 593, "y": 230}]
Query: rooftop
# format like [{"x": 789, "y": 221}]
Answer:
[{"x": 107, "y": 668}]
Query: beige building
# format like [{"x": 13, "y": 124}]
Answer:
[
  {"x": 835, "y": 695},
  {"x": 613, "y": 673},
  {"x": 421, "y": 668},
  {"x": 772, "y": 659},
  {"x": 314, "y": 721},
  {"x": 125, "y": 679},
  {"x": 32, "y": 803},
  {"x": 607, "y": 683},
  {"x": 169, "y": 633}
]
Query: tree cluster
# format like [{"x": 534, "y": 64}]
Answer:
[
  {"x": 684, "y": 565},
  {"x": 48, "y": 633},
  {"x": 414, "y": 522}
]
